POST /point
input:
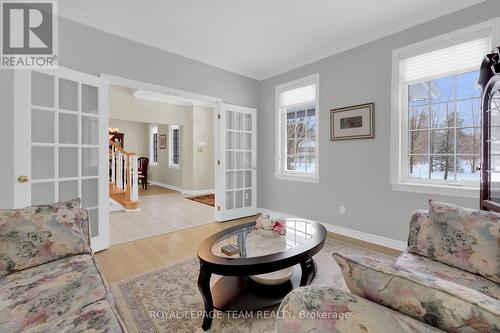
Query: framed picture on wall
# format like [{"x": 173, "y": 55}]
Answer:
[
  {"x": 353, "y": 122},
  {"x": 163, "y": 141}
]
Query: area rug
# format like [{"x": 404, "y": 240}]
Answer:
[
  {"x": 167, "y": 300},
  {"x": 207, "y": 199}
]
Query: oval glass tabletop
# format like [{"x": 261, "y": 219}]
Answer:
[{"x": 250, "y": 242}]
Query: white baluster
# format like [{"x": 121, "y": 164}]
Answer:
[
  {"x": 113, "y": 165},
  {"x": 125, "y": 175},
  {"x": 134, "y": 195},
  {"x": 119, "y": 169}
]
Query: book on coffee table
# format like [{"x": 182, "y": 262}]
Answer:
[{"x": 230, "y": 249}]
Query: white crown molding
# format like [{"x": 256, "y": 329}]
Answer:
[
  {"x": 341, "y": 46},
  {"x": 352, "y": 233}
]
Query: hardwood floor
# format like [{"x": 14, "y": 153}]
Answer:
[
  {"x": 133, "y": 258},
  {"x": 129, "y": 259}
]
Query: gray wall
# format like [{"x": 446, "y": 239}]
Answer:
[
  {"x": 353, "y": 173},
  {"x": 92, "y": 51}
]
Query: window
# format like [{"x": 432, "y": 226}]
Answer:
[
  {"x": 297, "y": 130},
  {"x": 436, "y": 116},
  {"x": 444, "y": 133},
  {"x": 174, "y": 149},
  {"x": 153, "y": 145}
]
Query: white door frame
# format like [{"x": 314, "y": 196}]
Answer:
[{"x": 22, "y": 140}]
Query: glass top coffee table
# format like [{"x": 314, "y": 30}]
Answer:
[{"x": 264, "y": 270}]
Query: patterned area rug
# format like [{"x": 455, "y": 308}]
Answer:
[
  {"x": 207, "y": 199},
  {"x": 166, "y": 300}
]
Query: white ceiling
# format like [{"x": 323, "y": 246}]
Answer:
[{"x": 256, "y": 38}]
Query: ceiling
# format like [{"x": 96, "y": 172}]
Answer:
[{"x": 256, "y": 38}]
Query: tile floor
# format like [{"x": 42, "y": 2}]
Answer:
[{"x": 161, "y": 211}]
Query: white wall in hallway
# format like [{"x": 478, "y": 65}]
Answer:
[
  {"x": 136, "y": 136},
  {"x": 196, "y": 123}
]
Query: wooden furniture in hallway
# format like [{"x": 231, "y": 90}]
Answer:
[
  {"x": 143, "y": 171},
  {"x": 124, "y": 176}
]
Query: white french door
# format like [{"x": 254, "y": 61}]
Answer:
[
  {"x": 236, "y": 148},
  {"x": 60, "y": 124}
]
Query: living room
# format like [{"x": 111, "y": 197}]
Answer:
[{"x": 354, "y": 156}]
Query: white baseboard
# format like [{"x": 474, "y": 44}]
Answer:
[
  {"x": 356, "y": 234},
  {"x": 197, "y": 192},
  {"x": 184, "y": 192},
  {"x": 171, "y": 187}
]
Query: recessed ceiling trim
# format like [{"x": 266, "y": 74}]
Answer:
[{"x": 168, "y": 99}]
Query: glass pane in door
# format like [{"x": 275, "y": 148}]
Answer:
[
  {"x": 239, "y": 160},
  {"x": 42, "y": 126},
  {"x": 42, "y": 193},
  {"x": 65, "y": 142},
  {"x": 42, "y": 89},
  {"x": 42, "y": 163},
  {"x": 68, "y": 95}
]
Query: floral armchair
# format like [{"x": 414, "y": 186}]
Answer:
[
  {"x": 49, "y": 280},
  {"x": 448, "y": 277}
]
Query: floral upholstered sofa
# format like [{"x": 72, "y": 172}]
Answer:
[
  {"x": 49, "y": 280},
  {"x": 448, "y": 278}
]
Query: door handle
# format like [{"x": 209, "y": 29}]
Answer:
[{"x": 23, "y": 179}]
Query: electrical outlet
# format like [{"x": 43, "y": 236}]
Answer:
[{"x": 342, "y": 210}]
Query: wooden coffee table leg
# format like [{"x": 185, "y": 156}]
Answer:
[
  {"x": 308, "y": 271},
  {"x": 204, "y": 287}
]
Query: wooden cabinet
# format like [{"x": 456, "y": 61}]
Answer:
[{"x": 490, "y": 167}]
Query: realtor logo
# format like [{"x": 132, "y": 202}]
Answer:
[{"x": 29, "y": 34}]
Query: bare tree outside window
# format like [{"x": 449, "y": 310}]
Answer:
[{"x": 444, "y": 121}]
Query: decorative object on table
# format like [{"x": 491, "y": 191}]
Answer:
[
  {"x": 353, "y": 122},
  {"x": 264, "y": 222},
  {"x": 230, "y": 249},
  {"x": 163, "y": 141},
  {"x": 279, "y": 226}
]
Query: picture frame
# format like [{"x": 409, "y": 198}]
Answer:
[
  {"x": 353, "y": 122},
  {"x": 163, "y": 141}
]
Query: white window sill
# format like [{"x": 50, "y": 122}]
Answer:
[
  {"x": 298, "y": 178},
  {"x": 174, "y": 166},
  {"x": 450, "y": 190},
  {"x": 153, "y": 164}
]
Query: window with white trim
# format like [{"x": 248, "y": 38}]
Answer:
[
  {"x": 297, "y": 129},
  {"x": 153, "y": 145},
  {"x": 174, "y": 147},
  {"x": 438, "y": 112}
]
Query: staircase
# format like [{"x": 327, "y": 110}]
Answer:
[{"x": 123, "y": 177}]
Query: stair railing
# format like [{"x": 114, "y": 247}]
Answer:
[{"x": 124, "y": 173}]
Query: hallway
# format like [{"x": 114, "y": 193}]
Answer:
[{"x": 161, "y": 210}]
